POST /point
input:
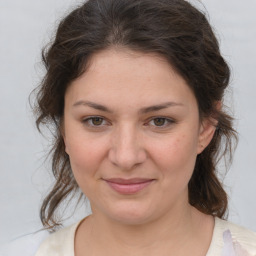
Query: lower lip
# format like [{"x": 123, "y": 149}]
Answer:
[{"x": 129, "y": 189}]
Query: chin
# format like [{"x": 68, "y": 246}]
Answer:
[
  {"x": 131, "y": 214},
  {"x": 131, "y": 220}
]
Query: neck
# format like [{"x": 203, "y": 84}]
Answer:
[
  {"x": 145, "y": 234},
  {"x": 173, "y": 230}
]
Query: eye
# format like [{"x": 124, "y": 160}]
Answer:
[
  {"x": 160, "y": 122},
  {"x": 95, "y": 121}
]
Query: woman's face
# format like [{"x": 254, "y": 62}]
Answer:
[{"x": 132, "y": 132}]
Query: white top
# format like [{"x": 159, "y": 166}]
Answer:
[{"x": 228, "y": 240}]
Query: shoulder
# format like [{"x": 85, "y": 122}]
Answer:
[
  {"x": 239, "y": 234},
  {"x": 231, "y": 239},
  {"x": 60, "y": 243}
]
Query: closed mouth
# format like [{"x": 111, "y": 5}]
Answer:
[{"x": 128, "y": 186}]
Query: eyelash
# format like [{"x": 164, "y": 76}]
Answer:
[
  {"x": 167, "y": 122},
  {"x": 88, "y": 121}
]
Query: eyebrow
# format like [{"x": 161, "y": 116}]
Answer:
[
  {"x": 159, "y": 107},
  {"x": 92, "y": 105},
  {"x": 142, "y": 110}
]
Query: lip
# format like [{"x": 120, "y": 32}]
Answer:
[{"x": 128, "y": 186}]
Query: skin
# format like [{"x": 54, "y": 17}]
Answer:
[{"x": 127, "y": 139}]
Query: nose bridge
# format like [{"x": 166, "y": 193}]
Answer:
[{"x": 127, "y": 148}]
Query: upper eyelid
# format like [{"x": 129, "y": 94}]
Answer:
[
  {"x": 168, "y": 123},
  {"x": 91, "y": 117},
  {"x": 169, "y": 119},
  {"x": 164, "y": 117}
]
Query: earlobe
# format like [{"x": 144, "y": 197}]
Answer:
[
  {"x": 65, "y": 144},
  {"x": 62, "y": 132},
  {"x": 208, "y": 128},
  {"x": 207, "y": 131},
  {"x": 66, "y": 148}
]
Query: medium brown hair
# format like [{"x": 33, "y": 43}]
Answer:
[{"x": 173, "y": 29}]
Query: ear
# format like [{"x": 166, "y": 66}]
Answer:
[
  {"x": 62, "y": 132},
  {"x": 207, "y": 129},
  {"x": 206, "y": 133}
]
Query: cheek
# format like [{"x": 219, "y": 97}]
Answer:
[
  {"x": 181, "y": 165},
  {"x": 176, "y": 158},
  {"x": 85, "y": 154},
  {"x": 86, "y": 160},
  {"x": 179, "y": 149}
]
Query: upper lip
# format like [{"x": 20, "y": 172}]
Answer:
[{"x": 128, "y": 181}]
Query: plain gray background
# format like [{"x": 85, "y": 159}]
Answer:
[{"x": 25, "y": 27}]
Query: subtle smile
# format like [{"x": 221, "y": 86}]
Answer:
[{"x": 128, "y": 186}]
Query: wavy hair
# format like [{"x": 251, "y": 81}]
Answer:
[{"x": 173, "y": 29}]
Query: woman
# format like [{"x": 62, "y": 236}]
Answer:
[{"x": 134, "y": 91}]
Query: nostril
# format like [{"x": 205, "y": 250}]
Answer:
[
  {"x": 127, "y": 159},
  {"x": 126, "y": 150}
]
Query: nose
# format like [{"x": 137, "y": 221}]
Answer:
[{"x": 127, "y": 150}]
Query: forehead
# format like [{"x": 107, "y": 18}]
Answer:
[
  {"x": 118, "y": 75},
  {"x": 119, "y": 63}
]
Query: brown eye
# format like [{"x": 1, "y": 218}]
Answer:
[
  {"x": 160, "y": 121},
  {"x": 96, "y": 121}
]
